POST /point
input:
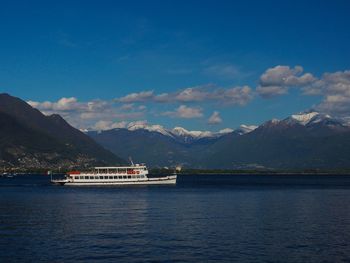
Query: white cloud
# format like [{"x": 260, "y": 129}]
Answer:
[
  {"x": 191, "y": 95},
  {"x": 137, "y": 97},
  {"x": 276, "y": 81},
  {"x": 164, "y": 97},
  {"x": 128, "y": 106},
  {"x": 271, "y": 91},
  {"x": 63, "y": 104},
  {"x": 234, "y": 96},
  {"x": 226, "y": 130},
  {"x": 215, "y": 118},
  {"x": 89, "y": 114},
  {"x": 237, "y": 95},
  {"x": 335, "y": 87},
  {"x": 108, "y": 125},
  {"x": 185, "y": 112},
  {"x": 137, "y": 124}
]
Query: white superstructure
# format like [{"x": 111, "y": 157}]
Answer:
[{"x": 121, "y": 175}]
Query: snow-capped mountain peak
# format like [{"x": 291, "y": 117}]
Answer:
[
  {"x": 182, "y": 132},
  {"x": 269, "y": 123},
  {"x": 247, "y": 128},
  {"x": 225, "y": 131},
  {"x": 314, "y": 118},
  {"x": 151, "y": 128},
  {"x": 304, "y": 118}
]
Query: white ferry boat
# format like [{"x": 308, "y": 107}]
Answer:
[{"x": 123, "y": 175}]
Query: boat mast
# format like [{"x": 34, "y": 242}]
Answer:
[{"x": 132, "y": 163}]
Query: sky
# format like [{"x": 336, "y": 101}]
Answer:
[{"x": 202, "y": 65}]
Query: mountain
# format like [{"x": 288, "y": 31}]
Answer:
[
  {"x": 244, "y": 129},
  {"x": 31, "y": 139},
  {"x": 151, "y": 147},
  {"x": 155, "y": 145},
  {"x": 302, "y": 141},
  {"x": 181, "y": 134},
  {"x": 308, "y": 140}
]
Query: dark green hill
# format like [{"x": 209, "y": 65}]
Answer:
[{"x": 31, "y": 139}]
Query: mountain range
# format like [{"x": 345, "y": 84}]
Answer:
[
  {"x": 308, "y": 140},
  {"x": 30, "y": 139}
]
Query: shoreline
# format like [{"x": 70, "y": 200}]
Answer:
[{"x": 187, "y": 172}]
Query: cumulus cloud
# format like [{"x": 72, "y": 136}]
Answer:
[
  {"x": 271, "y": 91},
  {"x": 335, "y": 88},
  {"x": 135, "y": 124},
  {"x": 226, "y": 130},
  {"x": 63, "y": 104},
  {"x": 185, "y": 112},
  {"x": 108, "y": 125},
  {"x": 215, "y": 118},
  {"x": 237, "y": 95},
  {"x": 137, "y": 97},
  {"x": 88, "y": 114},
  {"x": 277, "y": 80},
  {"x": 234, "y": 95},
  {"x": 191, "y": 95}
]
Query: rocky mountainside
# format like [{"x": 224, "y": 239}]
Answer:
[{"x": 29, "y": 139}]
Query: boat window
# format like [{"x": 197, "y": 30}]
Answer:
[
  {"x": 129, "y": 176},
  {"x": 91, "y": 177},
  {"x": 120, "y": 177},
  {"x": 97, "y": 177},
  {"x": 115, "y": 177},
  {"x": 111, "y": 177},
  {"x": 101, "y": 177},
  {"x": 86, "y": 177}
]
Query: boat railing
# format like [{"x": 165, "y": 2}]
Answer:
[{"x": 108, "y": 173}]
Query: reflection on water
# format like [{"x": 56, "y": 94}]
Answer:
[{"x": 203, "y": 218}]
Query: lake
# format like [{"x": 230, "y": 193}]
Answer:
[{"x": 204, "y": 218}]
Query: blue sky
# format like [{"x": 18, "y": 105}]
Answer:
[{"x": 98, "y": 52}]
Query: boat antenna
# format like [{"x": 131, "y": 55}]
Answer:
[{"x": 132, "y": 163}]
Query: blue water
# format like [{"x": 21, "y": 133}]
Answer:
[{"x": 238, "y": 218}]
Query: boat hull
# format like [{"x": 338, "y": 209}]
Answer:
[{"x": 168, "y": 180}]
